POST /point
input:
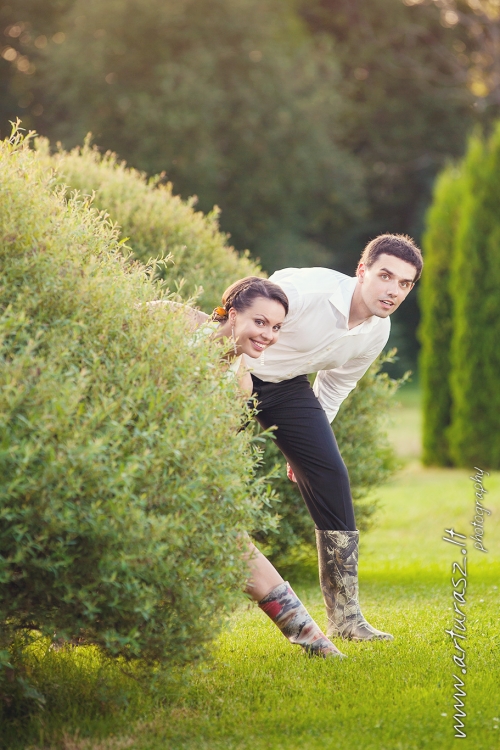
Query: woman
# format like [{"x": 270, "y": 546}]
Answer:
[{"x": 250, "y": 317}]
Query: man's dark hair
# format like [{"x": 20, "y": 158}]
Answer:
[{"x": 399, "y": 245}]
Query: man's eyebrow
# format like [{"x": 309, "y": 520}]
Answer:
[{"x": 411, "y": 281}]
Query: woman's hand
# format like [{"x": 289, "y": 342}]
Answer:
[
  {"x": 289, "y": 473},
  {"x": 245, "y": 382}
]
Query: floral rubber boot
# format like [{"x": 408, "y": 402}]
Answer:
[{"x": 286, "y": 610}]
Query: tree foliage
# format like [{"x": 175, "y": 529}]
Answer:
[
  {"x": 474, "y": 436},
  {"x": 285, "y": 125},
  {"x": 436, "y": 305},
  {"x": 461, "y": 312},
  {"x": 407, "y": 110},
  {"x": 231, "y": 99},
  {"x": 407, "y": 107}
]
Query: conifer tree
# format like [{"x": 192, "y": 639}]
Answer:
[
  {"x": 474, "y": 436},
  {"x": 436, "y": 308}
]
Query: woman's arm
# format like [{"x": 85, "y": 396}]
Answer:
[
  {"x": 244, "y": 380},
  {"x": 196, "y": 317}
]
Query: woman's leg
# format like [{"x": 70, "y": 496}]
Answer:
[
  {"x": 263, "y": 575},
  {"x": 277, "y": 599}
]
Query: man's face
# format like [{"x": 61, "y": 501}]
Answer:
[{"x": 385, "y": 284}]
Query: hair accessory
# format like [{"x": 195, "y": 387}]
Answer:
[{"x": 219, "y": 312}]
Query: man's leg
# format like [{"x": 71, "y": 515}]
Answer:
[{"x": 306, "y": 439}]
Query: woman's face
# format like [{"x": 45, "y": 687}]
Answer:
[{"x": 258, "y": 326}]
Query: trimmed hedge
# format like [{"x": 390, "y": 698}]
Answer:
[
  {"x": 157, "y": 223},
  {"x": 124, "y": 482}
]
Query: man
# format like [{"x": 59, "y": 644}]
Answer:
[{"x": 336, "y": 326}]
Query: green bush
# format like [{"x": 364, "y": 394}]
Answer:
[
  {"x": 361, "y": 435},
  {"x": 436, "y": 307},
  {"x": 156, "y": 222},
  {"x": 473, "y": 435},
  {"x": 124, "y": 483}
]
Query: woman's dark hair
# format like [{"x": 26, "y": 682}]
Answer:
[{"x": 242, "y": 293}]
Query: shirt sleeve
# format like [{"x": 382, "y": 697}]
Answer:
[{"x": 333, "y": 386}]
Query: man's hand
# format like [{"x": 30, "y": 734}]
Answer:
[{"x": 289, "y": 473}]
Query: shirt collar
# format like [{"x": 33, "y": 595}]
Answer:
[{"x": 341, "y": 298}]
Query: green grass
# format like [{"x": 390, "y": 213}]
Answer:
[
  {"x": 406, "y": 422},
  {"x": 260, "y": 692}
]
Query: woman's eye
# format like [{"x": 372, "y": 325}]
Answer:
[{"x": 259, "y": 322}]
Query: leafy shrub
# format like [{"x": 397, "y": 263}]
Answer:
[
  {"x": 156, "y": 222},
  {"x": 124, "y": 484},
  {"x": 360, "y": 431}
]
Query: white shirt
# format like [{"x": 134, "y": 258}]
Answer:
[{"x": 315, "y": 336}]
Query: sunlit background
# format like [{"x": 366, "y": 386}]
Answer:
[{"x": 313, "y": 124}]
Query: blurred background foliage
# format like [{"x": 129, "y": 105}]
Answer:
[
  {"x": 460, "y": 327},
  {"x": 312, "y": 125}
]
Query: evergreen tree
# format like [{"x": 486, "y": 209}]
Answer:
[
  {"x": 474, "y": 436},
  {"x": 436, "y": 309}
]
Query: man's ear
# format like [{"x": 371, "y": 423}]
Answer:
[{"x": 360, "y": 271}]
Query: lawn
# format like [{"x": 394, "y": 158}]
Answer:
[{"x": 260, "y": 692}]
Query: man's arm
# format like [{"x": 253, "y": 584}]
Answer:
[{"x": 333, "y": 386}]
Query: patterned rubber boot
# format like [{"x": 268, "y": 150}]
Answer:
[
  {"x": 286, "y": 610},
  {"x": 338, "y": 575}
]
